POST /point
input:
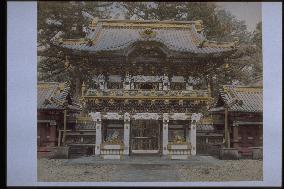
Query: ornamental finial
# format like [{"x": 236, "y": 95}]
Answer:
[{"x": 199, "y": 25}]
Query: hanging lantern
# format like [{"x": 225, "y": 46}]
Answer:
[
  {"x": 126, "y": 101},
  {"x": 111, "y": 101},
  {"x": 167, "y": 102},
  {"x": 226, "y": 66},
  {"x": 140, "y": 102},
  {"x": 97, "y": 101}
]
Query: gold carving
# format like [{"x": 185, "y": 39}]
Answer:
[{"x": 148, "y": 33}]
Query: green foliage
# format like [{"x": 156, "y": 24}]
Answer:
[{"x": 67, "y": 18}]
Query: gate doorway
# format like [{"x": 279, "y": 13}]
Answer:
[{"x": 145, "y": 137}]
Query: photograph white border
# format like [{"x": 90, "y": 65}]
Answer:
[{"x": 22, "y": 102}]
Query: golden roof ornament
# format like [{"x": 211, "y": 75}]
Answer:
[
  {"x": 199, "y": 25},
  {"x": 97, "y": 101},
  {"x": 236, "y": 41},
  {"x": 66, "y": 63},
  {"x": 94, "y": 22},
  {"x": 148, "y": 33},
  {"x": 111, "y": 101},
  {"x": 61, "y": 86},
  {"x": 126, "y": 101},
  {"x": 83, "y": 88},
  {"x": 226, "y": 66}
]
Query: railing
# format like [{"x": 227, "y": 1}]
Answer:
[
  {"x": 111, "y": 151},
  {"x": 119, "y": 93},
  {"x": 179, "y": 152},
  {"x": 84, "y": 123},
  {"x": 83, "y": 137}
]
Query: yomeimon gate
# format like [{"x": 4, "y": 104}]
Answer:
[{"x": 151, "y": 81}]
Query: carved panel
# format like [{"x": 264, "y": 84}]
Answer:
[
  {"x": 179, "y": 116},
  {"x": 113, "y": 116},
  {"x": 153, "y": 116},
  {"x": 196, "y": 117},
  {"x": 96, "y": 116}
]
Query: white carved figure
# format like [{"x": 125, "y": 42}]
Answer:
[
  {"x": 143, "y": 116},
  {"x": 114, "y": 116},
  {"x": 115, "y": 135},
  {"x": 127, "y": 116},
  {"x": 165, "y": 117},
  {"x": 196, "y": 117},
  {"x": 193, "y": 81},
  {"x": 165, "y": 82},
  {"x": 95, "y": 116},
  {"x": 101, "y": 79},
  {"x": 127, "y": 80},
  {"x": 165, "y": 78},
  {"x": 179, "y": 116}
]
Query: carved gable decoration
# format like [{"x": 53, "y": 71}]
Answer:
[
  {"x": 143, "y": 116},
  {"x": 148, "y": 33},
  {"x": 96, "y": 116},
  {"x": 113, "y": 116},
  {"x": 179, "y": 116},
  {"x": 196, "y": 117}
]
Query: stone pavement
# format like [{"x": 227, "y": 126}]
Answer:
[
  {"x": 144, "y": 160},
  {"x": 145, "y": 173},
  {"x": 140, "y": 168}
]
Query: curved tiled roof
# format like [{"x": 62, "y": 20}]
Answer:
[
  {"x": 52, "y": 95},
  {"x": 108, "y": 35},
  {"x": 250, "y": 99}
]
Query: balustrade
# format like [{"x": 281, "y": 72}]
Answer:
[{"x": 146, "y": 93}]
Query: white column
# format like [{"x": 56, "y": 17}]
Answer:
[
  {"x": 165, "y": 133},
  {"x": 193, "y": 137},
  {"x": 160, "y": 86},
  {"x": 166, "y": 82},
  {"x": 97, "y": 118},
  {"x": 126, "y": 83},
  {"x": 102, "y": 82},
  {"x": 194, "y": 120},
  {"x": 187, "y": 131},
  {"x": 126, "y": 133}
]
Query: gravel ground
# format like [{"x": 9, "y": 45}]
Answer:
[
  {"x": 57, "y": 170},
  {"x": 230, "y": 170}
]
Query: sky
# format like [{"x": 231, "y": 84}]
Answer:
[{"x": 250, "y": 12}]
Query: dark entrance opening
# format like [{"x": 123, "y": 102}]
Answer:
[{"x": 145, "y": 137}]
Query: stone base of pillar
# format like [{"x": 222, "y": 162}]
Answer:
[
  {"x": 179, "y": 157},
  {"x": 125, "y": 157},
  {"x": 98, "y": 150},
  {"x": 165, "y": 157},
  {"x": 61, "y": 152},
  {"x": 111, "y": 156},
  {"x": 257, "y": 152},
  {"x": 229, "y": 154}
]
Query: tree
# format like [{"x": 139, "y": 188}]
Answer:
[
  {"x": 68, "y": 20},
  {"x": 256, "y": 58}
]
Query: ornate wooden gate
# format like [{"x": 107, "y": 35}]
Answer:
[{"x": 145, "y": 136}]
